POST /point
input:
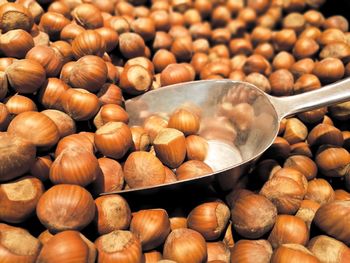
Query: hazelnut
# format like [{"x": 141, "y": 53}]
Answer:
[
  {"x": 192, "y": 169},
  {"x": 286, "y": 189},
  {"x": 305, "y": 83},
  {"x": 15, "y": 16},
  {"x": 89, "y": 42},
  {"x": 288, "y": 229},
  {"x": 325, "y": 134},
  {"x": 258, "y": 251},
  {"x": 281, "y": 82},
  {"x": 326, "y": 248},
  {"x": 151, "y": 226},
  {"x": 143, "y": 169},
  {"x": 295, "y": 131},
  {"x": 293, "y": 253},
  {"x": 16, "y": 43},
  {"x": 329, "y": 70},
  {"x": 259, "y": 80},
  {"x": 175, "y": 73},
  {"x": 333, "y": 219},
  {"x": 305, "y": 47},
  {"x": 333, "y": 161},
  {"x": 185, "y": 245},
  {"x": 87, "y": 16},
  {"x": 283, "y": 60},
  {"x": 131, "y": 45},
  {"x": 319, "y": 190},
  {"x": 135, "y": 79},
  {"x": 307, "y": 211},
  {"x": 303, "y": 164},
  {"x": 209, "y": 219},
  {"x": 253, "y": 216}
]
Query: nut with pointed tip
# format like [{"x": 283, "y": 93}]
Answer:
[
  {"x": 295, "y": 131},
  {"x": 258, "y": 251},
  {"x": 325, "y": 134},
  {"x": 288, "y": 229},
  {"x": 35, "y": 127},
  {"x": 113, "y": 139},
  {"x": 210, "y": 219},
  {"x": 293, "y": 253},
  {"x": 74, "y": 166},
  {"x": 65, "y": 207},
  {"x": 151, "y": 226},
  {"x": 185, "y": 245},
  {"x": 73, "y": 243},
  {"x": 303, "y": 164},
  {"x": 333, "y": 161},
  {"x": 333, "y": 219}
]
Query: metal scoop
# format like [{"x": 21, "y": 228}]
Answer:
[{"x": 239, "y": 121}]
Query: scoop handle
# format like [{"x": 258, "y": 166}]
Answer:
[{"x": 328, "y": 95}]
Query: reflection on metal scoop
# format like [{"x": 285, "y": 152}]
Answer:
[
  {"x": 238, "y": 119},
  {"x": 221, "y": 155}
]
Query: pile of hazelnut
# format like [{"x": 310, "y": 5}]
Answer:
[{"x": 66, "y": 67}]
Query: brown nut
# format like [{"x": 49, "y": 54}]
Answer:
[
  {"x": 333, "y": 218},
  {"x": 112, "y": 213},
  {"x": 170, "y": 147},
  {"x": 151, "y": 227},
  {"x": 253, "y": 216},
  {"x": 289, "y": 229},
  {"x": 320, "y": 191},
  {"x": 303, "y": 164},
  {"x": 286, "y": 189},
  {"x": 329, "y": 70},
  {"x": 293, "y": 253},
  {"x": 143, "y": 169},
  {"x": 209, "y": 219},
  {"x": 295, "y": 131},
  {"x": 281, "y": 82},
  {"x": 333, "y": 161},
  {"x": 192, "y": 169},
  {"x": 258, "y": 251},
  {"x": 185, "y": 245},
  {"x": 307, "y": 211}
]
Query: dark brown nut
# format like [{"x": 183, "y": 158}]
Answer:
[
  {"x": 313, "y": 116},
  {"x": 280, "y": 149},
  {"x": 340, "y": 111},
  {"x": 301, "y": 148},
  {"x": 325, "y": 134}
]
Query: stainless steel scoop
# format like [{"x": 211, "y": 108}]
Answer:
[{"x": 239, "y": 121}]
